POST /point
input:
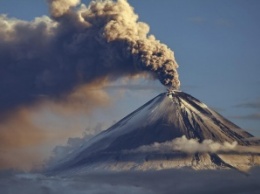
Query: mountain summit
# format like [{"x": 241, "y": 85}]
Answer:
[{"x": 172, "y": 130}]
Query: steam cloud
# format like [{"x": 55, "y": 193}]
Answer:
[
  {"x": 53, "y": 56},
  {"x": 193, "y": 146}
]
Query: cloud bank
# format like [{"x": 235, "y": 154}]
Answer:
[
  {"x": 150, "y": 182},
  {"x": 194, "y": 146}
]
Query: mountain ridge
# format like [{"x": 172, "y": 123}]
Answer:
[{"x": 166, "y": 117}]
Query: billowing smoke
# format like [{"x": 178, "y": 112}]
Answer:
[
  {"x": 77, "y": 45},
  {"x": 50, "y": 60},
  {"x": 194, "y": 146},
  {"x": 60, "y": 7}
]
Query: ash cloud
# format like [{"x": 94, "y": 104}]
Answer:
[
  {"x": 60, "y": 59},
  {"x": 75, "y": 46},
  {"x": 61, "y": 7}
]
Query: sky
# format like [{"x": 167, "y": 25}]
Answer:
[{"x": 216, "y": 44}]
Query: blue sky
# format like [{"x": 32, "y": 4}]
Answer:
[{"x": 216, "y": 45}]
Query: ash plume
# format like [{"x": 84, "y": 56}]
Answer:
[
  {"x": 60, "y": 59},
  {"x": 60, "y": 7},
  {"x": 77, "y": 45}
]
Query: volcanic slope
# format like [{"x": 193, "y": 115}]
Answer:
[{"x": 165, "y": 118}]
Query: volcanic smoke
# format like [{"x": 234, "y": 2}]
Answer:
[{"x": 75, "y": 46}]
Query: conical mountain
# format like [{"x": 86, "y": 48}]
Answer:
[{"x": 163, "y": 119}]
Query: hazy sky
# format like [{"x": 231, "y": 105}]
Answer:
[{"x": 216, "y": 45}]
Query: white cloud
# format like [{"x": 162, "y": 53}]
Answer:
[{"x": 193, "y": 145}]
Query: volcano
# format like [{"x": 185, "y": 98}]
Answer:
[{"x": 165, "y": 118}]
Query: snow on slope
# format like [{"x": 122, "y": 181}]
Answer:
[{"x": 164, "y": 118}]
